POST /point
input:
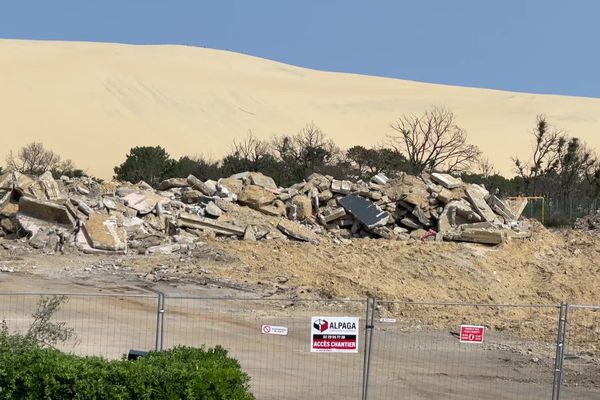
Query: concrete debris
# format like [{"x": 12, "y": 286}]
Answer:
[
  {"x": 104, "y": 232},
  {"x": 365, "y": 211},
  {"x": 255, "y": 196},
  {"x": 447, "y": 181},
  {"x": 118, "y": 217},
  {"x": 380, "y": 179},
  {"x": 207, "y": 224},
  {"x": 297, "y": 231},
  {"x": 477, "y": 195}
]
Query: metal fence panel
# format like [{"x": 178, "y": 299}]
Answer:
[
  {"x": 414, "y": 359},
  {"x": 280, "y": 367},
  {"x": 104, "y": 325},
  {"x": 581, "y": 365}
]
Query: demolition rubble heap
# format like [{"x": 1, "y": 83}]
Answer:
[
  {"x": 589, "y": 223},
  {"x": 115, "y": 217}
]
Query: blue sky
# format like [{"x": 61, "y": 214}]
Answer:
[{"x": 541, "y": 46}]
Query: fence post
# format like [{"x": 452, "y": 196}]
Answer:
[
  {"x": 560, "y": 351},
  {"x": 367, "y": 350},
  {"x": 160, "y": 319}
]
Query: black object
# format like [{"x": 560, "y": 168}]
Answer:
[
  {"x": 135, "y": 354},
  {"x": 364, "y": 210}
]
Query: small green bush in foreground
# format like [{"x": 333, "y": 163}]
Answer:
[{"x": 28, "y": 371}]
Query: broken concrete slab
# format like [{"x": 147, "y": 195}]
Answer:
[
  {"x": 207, "y": 224},
  {"x": 516, "y": 205},
  {"x": 255, "y": 196},
  {"x": 258, "y": 179},
  {"x": 46, "y": 211},
  {"x": 343, "y": 187},
  {"x": 331, "y": 214},
  {"x": 500, "y": 208},
  {"x": 483, "y": 236},
  {"x": 297, "y": 231},
  {"x": 104, "y": 232},
  {"x": 173, "y": 183},
  {"x": 447, "y": 180},
  {"x": 365, "y": 211},
  {"x": 380, "y": 179},
  {"x": 477, "y": 195},
  {"x": 144, "y": 202},
  {"x": 197, "y": 184},
  {"x": 411, "y": 223}
]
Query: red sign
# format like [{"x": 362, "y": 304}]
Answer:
[{"x": 471, "y": 333}]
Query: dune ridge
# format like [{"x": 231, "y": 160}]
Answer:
[{"x": 91, "y": 102}]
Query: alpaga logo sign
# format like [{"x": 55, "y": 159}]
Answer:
[{"x": 334, "y": 335}]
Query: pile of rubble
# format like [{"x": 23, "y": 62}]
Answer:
[
  {"x": 117, "y": 217},
  {"x": 590, "y": 222}
]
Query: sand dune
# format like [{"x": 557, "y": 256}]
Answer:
[{"x": 91, "y": 102}]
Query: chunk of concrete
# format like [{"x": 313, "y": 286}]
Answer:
[
  {"x": 255, "y": 196},
  {"x": 331, "y": 214},
  {"x": 212, "y": 210},
  {"x": 207, "y": 224},
  {"x": 500, "y": 208},
  {"x": 380, "y": 179},
  {"x": 104, "y": 232},
  {"x": 474, "y": 235},
  {"x": 197, "y": 184},
  {"x": 173, "y": 183},
  {"x": 516, "y": 205},
  {"x": 297, "y": 231},
  {"x": 343, "y": 187},
  {"x": 46, "y": 211},
  {"x": 365, "y": 211},
  {"x": 258, "y": 179},
  {"x": 8, "y": 225},
  {"x": 477, "y": 196},
  {"x": 447, "y": 180},
  {"x": 325, "y": 196},
  {"x": 164, "y": 249},
  {"x": 144, "y": 202},
  {"x": 411, "y": 223},
  {"x": 302, "y": 207},
  {"x": 249, "y": 234},
  {"x": 230, "y": 185}
]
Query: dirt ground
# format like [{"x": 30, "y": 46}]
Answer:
[{"x": 550, "y": 268}]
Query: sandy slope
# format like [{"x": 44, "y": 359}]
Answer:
[{"x": 92, "y": 102}]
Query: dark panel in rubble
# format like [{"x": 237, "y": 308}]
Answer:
[{"x": 364, "y": 210}]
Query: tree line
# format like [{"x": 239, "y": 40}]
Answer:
[{"x": 562, "y": 169}]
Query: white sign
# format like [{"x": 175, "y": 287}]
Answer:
[
  {"x": 334, "y": 335},
  {"x": 274, "y": 330},
  {"x": 388, "y": 320}
]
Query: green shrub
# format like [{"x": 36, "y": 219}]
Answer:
[{"x": 28, "y": 371}]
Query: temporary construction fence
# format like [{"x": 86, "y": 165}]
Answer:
[{"x": 405, "y": 350}]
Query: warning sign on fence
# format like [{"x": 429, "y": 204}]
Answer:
[
  {"x": 274, "y": 330},
  {"x": 471, "y": 333},
  {"x": 334, "y": 335}
]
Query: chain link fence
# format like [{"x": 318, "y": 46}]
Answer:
[{"x": 403, "y": 350}]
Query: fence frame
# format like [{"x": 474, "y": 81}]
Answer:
[{"x": 162, "y": 301}]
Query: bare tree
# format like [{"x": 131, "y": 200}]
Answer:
[
  {"x": 252, "y": 150},
  {"x": 33, "y": 159},
  {"x": 433, "y": 141},
  {"x": 484, "y": 167}
]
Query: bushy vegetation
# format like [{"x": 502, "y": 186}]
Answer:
[
  {"x": 28, "y": 371},
  {"x": 31, "y": 368}
]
